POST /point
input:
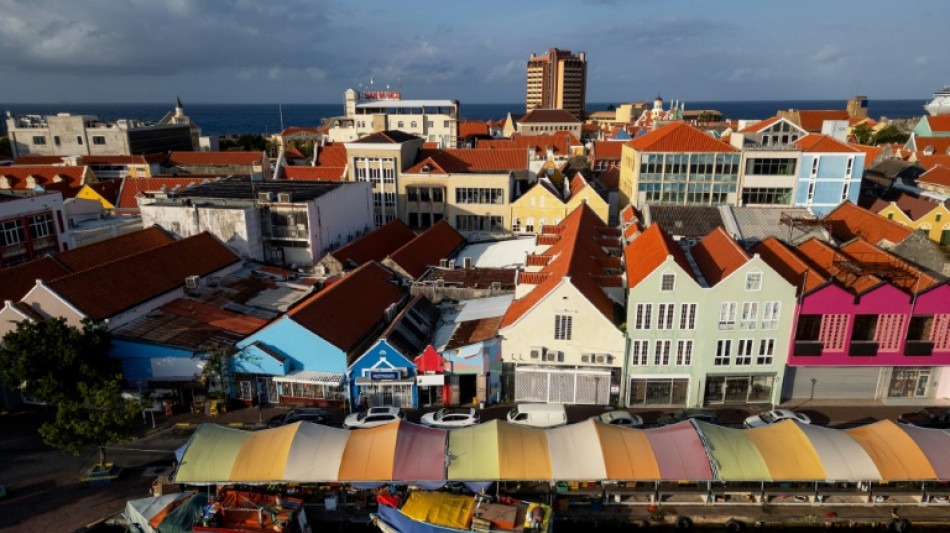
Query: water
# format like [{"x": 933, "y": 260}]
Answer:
[{"x": 233, "y": 119}]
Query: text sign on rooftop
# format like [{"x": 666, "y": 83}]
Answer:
[{"x": 382, "y": 95}]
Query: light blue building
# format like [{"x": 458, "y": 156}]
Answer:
[{"x": 830, "y": 173}]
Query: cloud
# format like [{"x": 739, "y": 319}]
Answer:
[
  {"x": 510, "y": 71},
  {"x": 829, "y": 57}
]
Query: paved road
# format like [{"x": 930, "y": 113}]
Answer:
[{"x": 44, "y": 492}]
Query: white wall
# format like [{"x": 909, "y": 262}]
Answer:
[
  {"x": 239, "y": 228},
  {"x": 339, "y": 216}
]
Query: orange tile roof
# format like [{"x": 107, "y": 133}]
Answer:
[
  {"x": 789, "y": 265},
  {"x": 64, "y": 188},
  {"x": 427, "y": 248},
  {"x": 939, "y": 145},
  {"x": 849, "y": 221},
  {"x": 19, "y": 279},
  {"x": 376, "y": 245},
  {"x": 937, "y": 175},
  {"x": 606, "y": 150},
  {"x": 629, "y": 214},
  {"x": 548, "y": 115},
  {"x": 294, "y": 153},
  {"x": 833, "y": 263},
  {"x": 102, "y": 252},
  {"x": 679, "y": 137},
  {"x": 570, "y": 136},
  {"x": 470, "y": 128},
  {"x": 113, "y": 287},
  {"x": 34, "y": 160},
  {"x": 351, "y": 308},
  {"x": 817, "y": 143},
  {"x": 760, "y": 125},
  {"x": 115, "y": 160},
  {"x": 577, "y": 255},
  {"x": 108, "y": 190},
  {"x": 577, "y": 184},
  {"x": 812, "y": 120},
  {"x": 648, "y": 251},
  {"x": 870, "y": 152},
  {"x": 896, "y": 271},
  {"x": 71, "y": 177},
  {"x": 560, "y": 145},
  {"x": 294, "y": 130},
  {"x": 610, "y": 178},
  {"x": 913, "y": 206},
  {"x": 214, "y": 316},
  {"x": 939, "y": 123},
  {"x": 332, "y": 155},
  {"x": 134, "y": 188},
  {"x": 931, "y": 161},
  {"x": 452, "y": 160},
  {"x": 718, "y": 255},
  {"x": 313, "y": 173},
  {"x": 216, "y": 158}
]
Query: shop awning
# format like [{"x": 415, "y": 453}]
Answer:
[
  {"x": 210, "y": 455},
  {"x": 935, "y": 443},
  {"x": 842, "y": 458},
  {"x": 312, "y": 377},
  {"x": 734, "y": 455},
  {"x": 627, "y": 453},
  {"x": 787, "y": 452},
  {"x": 575, "y": 453},
  {"x": 316, "y": 453},
  {"x": 895, "y": 454},
  {"x": 497, "y": 450},
  {"x": 680, "y": 454}
]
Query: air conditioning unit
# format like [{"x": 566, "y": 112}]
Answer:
[
  {"x": 585, "y": 358},
  {"x": 191, "y": 282},
  {"x": 283, "y": 197},
  {"x": 601, "y": 359},
  {"x": 538, "y": 353},
  {"x": 264, "y": 196}
]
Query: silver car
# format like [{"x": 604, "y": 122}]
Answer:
[
  {"x": 372, "y": 417},
  {"x": 450, "y": 418}
]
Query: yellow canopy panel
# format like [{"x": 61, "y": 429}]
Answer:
[
  {"x": 264, "y": 454},
  {"x": 523, "y": 453},
  {"x": 473, "y": 453},
  {"x": 627, "y": 453},
  {"x": 369, "y": 453},
  {"x": 440, "y": 508},
  {"x": 787, "y": 452},
  {"x": 895, "y": 454}
]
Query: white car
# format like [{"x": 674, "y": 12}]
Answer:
[
  {"x": 620, "y": 418},
  {"x": 450, "y": 418},
  {"x": 773, "y": 416},
  {"x": 372, "y": 417}
]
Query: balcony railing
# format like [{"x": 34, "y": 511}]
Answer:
[
  {"x": 809, "y": 348},
  {"x": 919, "y": 347},
  {"x": 287, "y": 232},
  {"x": 863, "y": 348}
]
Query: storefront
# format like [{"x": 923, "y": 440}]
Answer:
[
  {"x": 311, "y": 387},
  {"x": 832, "y": 382},
  {"x": 384, "y": 388},
  {"x": 745, "y": 388},
  {"x": 658, "y": 390},
  {"x": 911, "y": 382},
  {"x": 578, "y": 385}
]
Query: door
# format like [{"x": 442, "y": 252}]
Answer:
[{"x": 266, "y": 390}]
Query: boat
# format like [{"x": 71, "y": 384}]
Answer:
[
  {"x": 443, "y": 512},
  {"x": 940, "y": 105},
  {"x": 251, "y": 512}
]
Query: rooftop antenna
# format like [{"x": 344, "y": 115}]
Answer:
[{"x": 280, "y": 109}]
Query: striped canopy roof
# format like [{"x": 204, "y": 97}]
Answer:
[{"x": 587, "y": 451}]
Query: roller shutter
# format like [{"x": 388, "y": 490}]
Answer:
[{"x": 831, "y": 382}]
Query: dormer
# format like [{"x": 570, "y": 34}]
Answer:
[
  {"x": 57, "y": 179},
  {"x": 4, "y": 182},
  {"x": 30, "y": 182}
]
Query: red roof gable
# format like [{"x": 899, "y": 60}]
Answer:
[
  {"x": 539, "y": 144},
  {"x": 823, "y": 143},
  {"x": 760, "y": 125},
  {"x": 430, "y": 361},
  {"x": 331, "y": 155},
  {"x": 648, "y": 251},
  {"x": 932, "y": 145},
  {"x": 938, "y": 175},
  {"x": 451, "y": 160},
  {"x": 629, "y": 214},
  {"x": 471, "y": 128},
  {"x": 931, "y": 161},
  {"x": 789, "y": 265},
  {"x": 19, "y": 279},
  {"x": 602, "y": 150},
  {"x": 313, "y": 173},
  {"x": 293, "y": 153},
  {"x": 102, "y": 252},
  {"x": 915, "y": 207},
  {"x": 346, "y": 312},
  {"x": 548, "y": 115},
  {"x": 812, "y": 120},
  {"x": 134, "y": 188},
  {"x": 610, "y": 178},
  {"x": 216, "y": 158},
  {"x": 849, "y": 221},
  {"x": 427, "y": 248},
  {"x": 70, "y": 177},
  {"x": 870, "y": 152},
  {"x": 679, "y": 137},
  {"x": 939, "y": 123},
  {"x": 718, "y": 255},
  {"x": 296, "y": 130},
  {"x": 108, "y": 190},
  {"x": 376, "y": 245},
  {"x": 828, "y": 261},
  {"x": 898, "y": 272}
]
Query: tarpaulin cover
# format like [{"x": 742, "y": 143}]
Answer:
[
  {"x": 498, "y": 451},
  {"x": 168, "y": 513},
  {"x": 841, "y": 456},
  {"x": 895, "y": 454},
  {"x": 370, "y": 453},
  {"x": 935, "y": 443},
  {"x": 140, "y": 512},
  {"x": 680, "y": 453},
  {"x": 440, "y": 508},
  {"x": 627, "y": 453},
  {"x": 210, "y": 455},
  {"x": 576, "y": 452},
  {"x": 420, "y": 453},
  {"x": 263, "y": 455},
  {"x": 787, "y": 452},
  {"x": 316, "y": 453},
  {"x": 734, "y": 455}
]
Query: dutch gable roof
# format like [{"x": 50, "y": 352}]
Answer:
[
  {"x": 848, "y": 221},
  {"x": 718, "y": 255},
  {"x": 374, "y": 246},
  {"x": 817, "y": 143},
  {"x": 427, "y": 248},
  {"x": 454, "y": 160},
  {"x": 648, "y": 251},
  {"x": 789, "y": 265},
  {"x": 72, "y": 177},
  {"x": 679, "y": 137}
]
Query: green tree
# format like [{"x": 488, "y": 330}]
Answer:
[
  {"x": 70, "y": 369},
  {"x": 862, "y": 133},
  {"x": 889, "y": 134},
  {"x": 217, "y": 369}
]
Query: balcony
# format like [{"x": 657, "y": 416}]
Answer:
[
  {"x": 808, "y": 348},
  {"x": 863, "y": 348},
  {"x": 287, "y": 232},
  {"x": 919, "y": 347}
]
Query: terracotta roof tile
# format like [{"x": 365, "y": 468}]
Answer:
[
  {"x": 575, "y": 255},
  {"x": 427, "y": 248},
  {"x": 113, "y": 287},
  {"x": 823, "y": 144},
  {"x": 134, "y": 188},
  {"x": 648, "y": 251},
  {"x": 610, "y": 178},
  {"x": 471, "y": 128},
  {"x": 896, "y": 271},
  {"x": 760, "y": 125},
  {"x": 214, "y": 316},
  {"x": 331, "y": 155},
  {"x": 932, "y": 145},
  {"x": 99, "y": 253},
  {"x": 629, "y": 214},
  {"x": 115, "y": 160},
  {"x": 71, "y": 177},
  {"x": 602, "y": 150},
  {"x": 812, "y": 120},
  {"x": 313, "y": 173},
  {"x": 914, "y": 207},
  {"x": 938, "y": 123},
  {"x": 351, "y": 308},
  {"x": 718, "y": 255},
  {"x": 294, "y": 153},
  {"x": 833, "y": 263},
  {"x": 789, "y": 265},
  {"x": 679, "y": 137},
  {"x": 931, "y": 161},
  {"x": 870, "y": 152},
  {"x": 937, "y": 175},
  {"x": 374, "y": 246},
  {"x": 472, "y": 331},
  {"x": 216, "y": 158},
  {"x": 294, "y": 130},
  {"x": 548, "y": 115},
  {"x": 453, "y": 160},
  {"x": 19, "y": 279},
  {"x": 387, "y": 137},
  {"x": 849, "y": 221},
  {"x": 108, "y": 190},
  {"x": 561, "y": 146}
]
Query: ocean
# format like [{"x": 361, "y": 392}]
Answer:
[{"x": 235, "y": 119}]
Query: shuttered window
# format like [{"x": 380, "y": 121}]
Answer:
[
  {"x": 834, "y": 330},
  {"x": 888, "y": 333}
]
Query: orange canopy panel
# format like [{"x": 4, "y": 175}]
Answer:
[
  {"x": 369, "y": 454},
  {"x": 627, "y": 453},
  {"x": 264, "y": 455},
  {"x": 787, "y": 452},
  {"x": 523, "y": 453},
  {"x": 895, "y": 454}
]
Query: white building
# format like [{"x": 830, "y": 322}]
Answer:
[{"x": 376, "y": 111}]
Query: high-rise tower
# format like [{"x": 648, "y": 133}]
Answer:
[{"x": 557, "y": 80}]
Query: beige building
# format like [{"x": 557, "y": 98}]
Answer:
[
  {"x": 557, "y": 80},
  {"x": 379, "y": 159},
  {"x": 548, "y": 122},
  {"x": 378, "y": 111}
]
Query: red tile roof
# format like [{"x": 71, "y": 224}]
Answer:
[
  {"x": 113, "y": 287},
  {"x": 760, "y": 125},
  {"x": 108, "y": 190},
  {"x": 313, "y": 173},
  {"x": 71, "y": 177},
  {"x": 452, "y": 160},
  {"x": 134, "y": 188},
  {"x": 602, "y": 150},
  {"x": 539, "y": 144},
  {"x": 19, "y": 279},
  {"x": 648, "y": 251},
  {"x": 870, "y": 152},
  {"x": 294, "y": 130},
  {"x": 577, "y": 255},
  {"x": 427, "y": 248},
  {"x": 830, "y": 263},
  {"x": 214, "y": 316},
  {"x": 915, "y": 207},
  {"x": 216, "y": 158},
  {"x": 471, "y": 128},
  {"x": 930, "y": 161},
  {"x": 376, "y": 245},
  {"x": 629, "y": 214},
  {"x": 34, "y": 160},
  {"x": 718, "y": 255},
  {"x": 573, "y": 140},
  {"x": 331, "y": 155},
  {"x": 939, "y": 123},
  {"x": 934, "y": 145},
  {"x": 294, "y": 153},
  {"x": 102, "y": 252},
  {"x": 64, "y": 188},
  {"x": 346, "y": 312},
  {"x": 812, "y": 120},
  {"x": 898, "y": 272},
  {"x": 789, "y": 265},
  {"x": 849, "y": 221},
  {"x": 118, "y": 159},
  {"x": 679, "y": 137},
  {"x": 610, "y": 178},
  {"x": 823, "y": 143},
  {"x": 937, "y": 175},
  {"x": 548, "y": 115}
]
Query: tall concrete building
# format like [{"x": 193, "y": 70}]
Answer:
[{"x": 557, "y": 80}]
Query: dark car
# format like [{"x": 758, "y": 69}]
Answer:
[
  {"x": 702, "y": 415},
  {"x": 303, "y": 414},
  {"x": 930, "y": 417}
]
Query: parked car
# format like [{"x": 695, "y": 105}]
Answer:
[
  {"x": 301, "y": 414},
  {"x": 930, "y": 417},
  {"x": 702, "y": 415},
  {"x": 620, "y": 418},
  {"x": 775, "y": 415},
  {"x": 538, "y": 415},
  {"x": 372, "y": 417},
  {"x": 449, "y": 418}
]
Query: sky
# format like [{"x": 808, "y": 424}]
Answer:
[{"x": 310, "y": 51}]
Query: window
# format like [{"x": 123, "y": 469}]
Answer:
[
  {"x": 643, "y": 316},
  {"x": 438, "y": 196},
  {"x": 516, "y": 225},
  {"x": 770, "y": 315},
  {"x": 57, "y": 143},
  {"x": 688, "y": 316},
  {"x": 684, "y": 352},
  {"x": 562, "y": 327},
  {"x": 412, "y": 194},
  {"x": 430, "y": 123},
  {"x": 11, "y": 232},
  {"x": 98, "y": 140},
  {"x": 79, "y": 140},
  {"x": 665, "y": 316},
  {"x": 638, "y": 352},
  {"x": 809, "y": 328},
  {"x": 41, "y": 226},
  {"x": 753, "y": 281},
  {"x": 723, "y": 352},
  {"x": 39, "y": 140},
  {"x": 750, "y": 312},
  {"x": 667, "y": 284},
  {"x": 727, "y": 315},
  {"x": 770, "y": 166},
  {"x": 766, "y": 350},
  {"x": 766, "y": 196},
  {"x": 744, "y": 355},
  {"x": 864, "y": 328},
  {"x": 472, "y": 195},
  {"x": 661, "y": 352}
]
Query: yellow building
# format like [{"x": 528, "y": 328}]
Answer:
[
  {"x": 551, "y": 199},
  {"x": 918, "y": 214},
  {"x": 105, "y": 192}
]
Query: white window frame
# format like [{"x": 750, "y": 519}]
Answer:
[
  {"x": 643, "y": 316},
  {"x": 563, "y": 327},
  {"x": 661, "y": 352},
  {"x": 684, "y": 352},
  {"x": 639, "y": 352},
  {"x": 688, "y": 316},
  {"x": 727, "y": 315},
  {"x": 751, "y": 286},
  {"x": 664, "y": 316},
  {"x": 671, "y": 277},
  {"x": 723, "y": 352},
  {"x": 770, "y": 315},
  {"x": 766, "y": 352},
  {"x": 750, "y": 315},
  {"x": 744, "y": 352}
]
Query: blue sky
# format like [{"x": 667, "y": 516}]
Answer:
[{"x": 310, "y": 51}]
